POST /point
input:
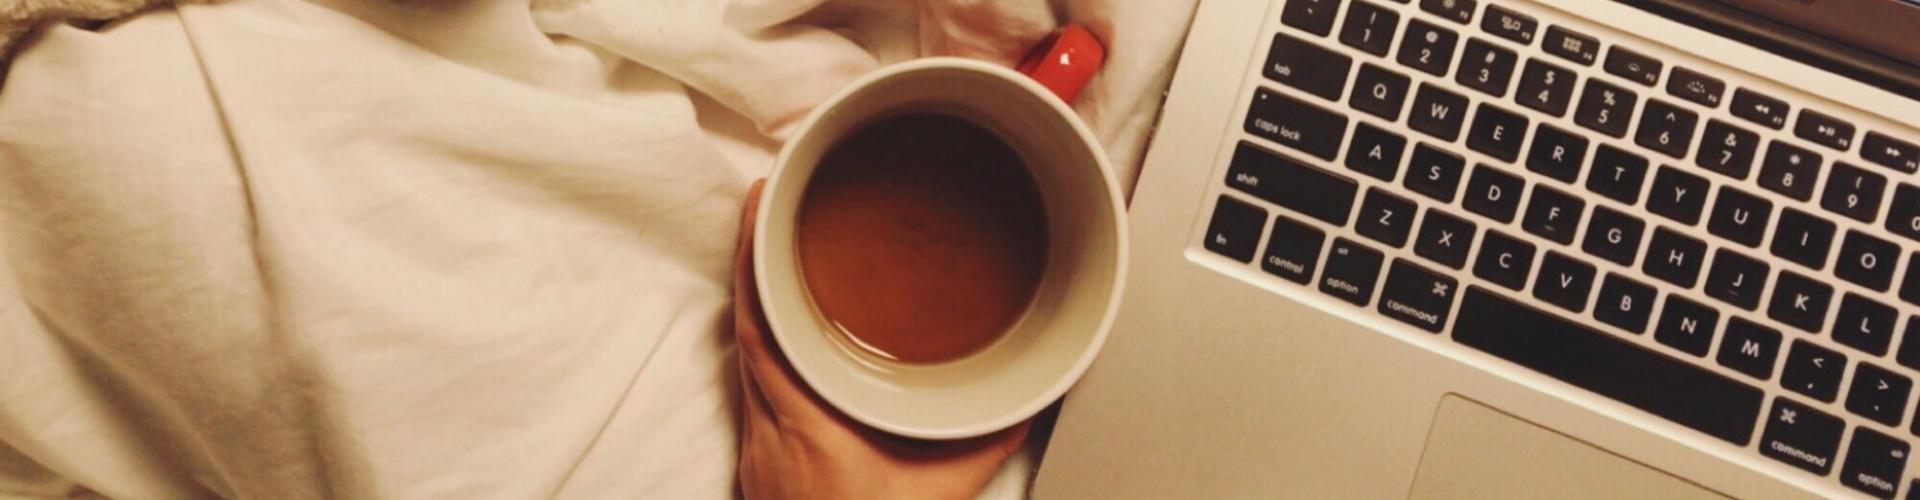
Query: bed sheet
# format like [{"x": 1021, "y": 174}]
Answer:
[{"x": 428, "y": 249}]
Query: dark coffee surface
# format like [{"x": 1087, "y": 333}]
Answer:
[{"x": 922, "y": 236}]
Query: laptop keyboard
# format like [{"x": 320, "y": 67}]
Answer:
[{"x": 1609, "y": 213}]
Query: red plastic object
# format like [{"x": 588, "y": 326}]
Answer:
[{"x": 1064, "y": 60}]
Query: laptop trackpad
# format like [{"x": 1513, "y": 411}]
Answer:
[{"x": 1475, "y": 451}]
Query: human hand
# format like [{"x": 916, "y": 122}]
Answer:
[{"x": 795, "y": 446}]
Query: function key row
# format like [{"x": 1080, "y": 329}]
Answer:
[{"x": 1430, "y": 48}]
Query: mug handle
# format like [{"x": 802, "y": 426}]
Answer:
[{"x": 1064, "y": 60}]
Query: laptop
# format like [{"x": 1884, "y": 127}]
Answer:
[{"x": 1519, "y": 248}]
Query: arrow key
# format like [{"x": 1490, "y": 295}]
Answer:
[
  {"x": 1813, "y": 370},
  {"x": 1878, "y": 394}
]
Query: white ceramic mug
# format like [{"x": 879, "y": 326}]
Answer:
[{"x": 1040, "y": 356}]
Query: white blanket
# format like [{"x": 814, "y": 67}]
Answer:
[{"x": 429, "y": 249}]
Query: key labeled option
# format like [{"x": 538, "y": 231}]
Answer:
[
  {"x": 1874, "y": 463},
  {"x": 1351, "y": 271}
]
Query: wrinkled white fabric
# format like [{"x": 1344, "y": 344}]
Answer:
[{"x": 453, "y": 249}]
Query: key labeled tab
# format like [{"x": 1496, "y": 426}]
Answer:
[{"x": 1305, "y": 66}]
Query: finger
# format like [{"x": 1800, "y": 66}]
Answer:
[{"x": 778, "y": 387}]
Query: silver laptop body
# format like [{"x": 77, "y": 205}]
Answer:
[{"x": 1516, "y": 248}]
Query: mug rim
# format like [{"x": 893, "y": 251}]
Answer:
[{"x": 1041, "y": 399}]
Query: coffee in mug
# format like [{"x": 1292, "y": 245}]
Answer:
[{"x": 921, "y": 237}]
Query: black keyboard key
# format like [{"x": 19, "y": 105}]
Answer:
[
  {"x": 1504, "y": 260},
  {"x": 1510, "y": 25},
  {"x": 1417, "y": 297},
  {"x": 1305, "y": 66},
  {"x": 1890, "y": 152},
  {"x": 1605, "y": 108},
  {"x": 1624, "y": 303},
  {"x": 1427, "y": 47},
  {"x": 1571, "y": 46},
  {"x": 1351, "y": 271},
  {"x": 1557, "y": 153},
  {"x": 1633, "y": 66},
  {"x": 1459, "y": 11},
  {"x": 1294, "y": 123},
  {"x": 1667, "y": 128},
  {"x": 1909, "y": 354},
  {"x": 1564, "y": 281},
  {"x": 1493, "y": 193},
  {"x": 1867, "y": 261},
  {"x": 1486, "y": 67},
  {"x": 1800, "y": 302},
  {"x": 1497, "y": 132},
  {"x": 1385, "y": 218},
  {"x": 1739, "y": 217},
  {"x": 1617, "y": 174},
  {"x": 1235, "y": 228},
  {"x": 1686, "y": 325},
  {"x": 1293, "y": 250},
  {"x": 1312, "y": 16},
  {"x": 1379, "y": 91},
  {"x": 1434, "y": 172},
  {"x": 1790, "y": 170},
  {"x": 1727, "y": 149},
  {"x": 1903, "y": 218},
  {"x": 1375, "y": 152},
  {"x": 1802, "y": 437},
  {"x": 1853, "y": 192},
  {"x": 1736, "y": 279},
  {"x": 1678, "y": 195},
  {"x": 1824, "y": 129},
  {"x": 1613, "y": 236},
  {"x": 1437, "y": 112},
  {"x": 1444, "y": 239},
  {"x": 1369, "y": 27},
  {"x": 1864, "y": 324},
  {"x": 1289, "y": 183},
  {"x": 1749, "y": 348},
  {"x": 1553, "y": 215},
  {"x": 1813, "y": 371},
  {"x": 1878, "y": 394},
  {"x": 1802, "y": 238},
  {"x": 1760, "y": 108},
  {"x": 1576, "y": 354},
  {"x": 1693, "y": 86},
  {"x": 1874, "y": 463},
  {"x": 1910, "y": 290},
  {"x": 1545, "y": 87},
  {"x": 1675, "y": 258}
]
